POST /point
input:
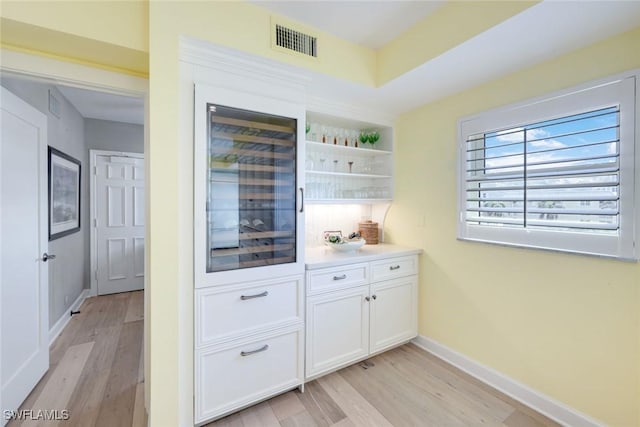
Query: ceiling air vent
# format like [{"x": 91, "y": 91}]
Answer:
[{"x": 296, "y": 41}]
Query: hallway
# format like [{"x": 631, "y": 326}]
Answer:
[{"x": 96, "y": 367}]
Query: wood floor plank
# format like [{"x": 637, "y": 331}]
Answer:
[
  {"x": 441, "y": 390},
  {"x": 311, "y": 406},
  {"x": 481, "y": 391},
  {"x": 69, "y": 335},
  {"x": 135, "y": 308},
  {"x": 59, "y": 388},
  {"x": 398, "y": 398},
  {"x": 233, "y": 420},
  {"x": 116, "y": 310},
  {"x": 119, "y": 396},
  {"x": 301, "y": 419},
  {"x": 138, "y": 407},
  {"x": 520, "y": 419},
  {"x": 354, "y": 405},
  {"x": 286, "y": 405},
  {"x": 472, "y": 395},
  {"x": 259, "y": 415},
  {"x": 89, "y": 394},
  {"x": 316, "y": 397}
]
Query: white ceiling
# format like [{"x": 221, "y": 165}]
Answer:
[
  {"x": 542, "y": 32},
  {"x": 369, "y": 23},
  {"x": 105, "y": 106}
]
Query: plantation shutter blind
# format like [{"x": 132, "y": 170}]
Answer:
[
  {"x": 556, "y": 172},
  {"x": 561, "y": 173}
]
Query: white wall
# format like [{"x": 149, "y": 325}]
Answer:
[
  {"x": 69, "y": 272},
  {"x": 113, "y": 136}
]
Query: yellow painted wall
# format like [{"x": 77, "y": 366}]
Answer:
[
  {"x": 450, "y": 25},
  {"x": 105, "y": 34},
  {"x": 565, "y": 325}
]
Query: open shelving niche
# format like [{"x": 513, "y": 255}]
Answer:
[{"x": 370, "y": 181}]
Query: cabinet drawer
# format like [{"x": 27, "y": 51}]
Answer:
[
  {"x": 394, "y": 267},
  {"x": 329, "y": 279},
  {"x": 235, "y": 375},
  {"x": 224, "y": 314}
]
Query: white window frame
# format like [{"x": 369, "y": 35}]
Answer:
[{"x": 619, "y": 89}]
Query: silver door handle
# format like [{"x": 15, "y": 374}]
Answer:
[
  {"x": 344, "y": 276},
  {"x": 246, "y": 297},
  {"x": 301, "y": 199},
  {"x": 46, "y": 257},
  {"x": 249, "y": 353},
  {"x": 394, "y": 267}
]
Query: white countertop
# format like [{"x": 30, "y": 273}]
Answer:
[{"x": 323, "y": 256}]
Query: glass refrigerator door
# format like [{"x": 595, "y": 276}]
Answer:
[{"x": 251, "y": 189}]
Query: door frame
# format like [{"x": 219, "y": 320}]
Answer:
[
  {"x": 93, "y": 240},
  {"x": 49, "y": 70}
]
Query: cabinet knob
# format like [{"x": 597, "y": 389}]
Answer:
[
  {"x": 367, "y": 299},
  {"x": 374, "y": 296}
]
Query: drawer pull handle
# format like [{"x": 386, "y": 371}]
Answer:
[
  {"x": 344, "y": 276},
  {"x": 246, "y": 297},
  {"x": 394, "y": 267},
  {"x": 260, "y": 350}
]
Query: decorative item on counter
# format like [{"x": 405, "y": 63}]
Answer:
[
  {"x": 344, "y": 244},
  {"x": 369, "y": 231}
]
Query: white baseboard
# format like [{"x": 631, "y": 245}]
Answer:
[
  {"x": 64, "y": 319},
  {"x": 546, "y": 405}
]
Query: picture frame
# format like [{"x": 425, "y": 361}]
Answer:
[{"x": 64, "y": 194}]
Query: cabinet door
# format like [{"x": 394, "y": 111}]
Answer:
[
  {"x": 337, "y": 329},
  {"x": 248, "y": 188},
  {"x": 394, "y": 317}
]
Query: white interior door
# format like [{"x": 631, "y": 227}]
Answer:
[
  {"x": 119, "y": 223},
  {"x": 24, "y": 292}
]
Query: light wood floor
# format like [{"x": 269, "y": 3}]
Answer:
[
  {"x": 97, "y": 375},
  {"x": 96, "y": 370},
  {"x": 404, "y": 387}
]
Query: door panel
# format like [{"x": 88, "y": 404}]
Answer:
[
  {"x": 393, "y": 312},
  {"x": 337, "y": 329},
  {"x": 24, "y": 298},
  {"x": 120, "y": 211}
]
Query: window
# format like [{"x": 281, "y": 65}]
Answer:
[{"x": 554, "y": 173}]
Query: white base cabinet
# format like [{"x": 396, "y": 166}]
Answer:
[
  {"x": 249, "y": 344},
  {"x": 348, "y": 320}
]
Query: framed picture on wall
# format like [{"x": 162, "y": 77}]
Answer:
[{"x": 64, "y": 194}]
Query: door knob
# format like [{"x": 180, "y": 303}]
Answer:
[{"x": 46, "y": 257}]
